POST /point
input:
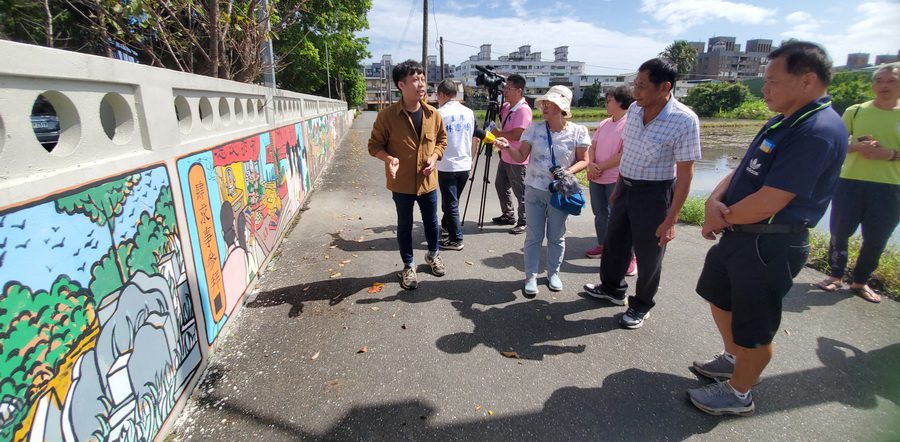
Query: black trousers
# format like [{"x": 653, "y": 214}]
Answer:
[
  {"x": 638, "y": 209},
  {"x": 875, "y": 206}
]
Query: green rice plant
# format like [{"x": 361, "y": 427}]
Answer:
[{"x": 692, "y": 211}]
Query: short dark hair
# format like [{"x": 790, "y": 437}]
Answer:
[
  {"x": 622, "y": 94},
  {"x": 516, "y": 80},
  {"x": 405, "y": 69},
  {"x": 448, "y": 87},
  {"x": 803, "y": 57},
  {"x": 660, "y": 71}
]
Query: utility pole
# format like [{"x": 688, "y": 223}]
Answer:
[
  {"x": 268, "y": 55},
  {"x": 425, "y": 42},
  {"x": 327, "y": 70},
  {"x": 442, "y": 58}
]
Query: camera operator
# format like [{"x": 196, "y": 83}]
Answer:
[
  {"x": 569, "y": 142},
  {"x": 515, "y": 116}
]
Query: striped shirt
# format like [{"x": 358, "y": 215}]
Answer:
[{"x": 651, "y": 151}]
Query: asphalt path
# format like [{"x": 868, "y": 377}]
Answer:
[{"x": 316, "y": 355}]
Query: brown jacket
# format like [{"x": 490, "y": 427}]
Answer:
[{"x": 394, "y": 133}]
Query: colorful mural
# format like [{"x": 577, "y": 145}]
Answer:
[
  {"x": 97, "y": 331},
  {"x": 238, "y": 199}
]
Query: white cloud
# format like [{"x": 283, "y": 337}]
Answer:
[
  {"x": 803, "y": 23},
  {"x": 603, "y": 50},
  {"x": 873, "y": 29},
  {"x": 681, "y": 15}
]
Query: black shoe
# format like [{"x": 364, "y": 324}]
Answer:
[
  {"x": 596, "y": 291},
  {"x": 447, "y": 244},
  {"x": 519, "y": 228},
  {"x": 503, "y": 220}
]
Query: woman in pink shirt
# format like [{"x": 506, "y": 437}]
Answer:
[{"x": 603, "y": 169}]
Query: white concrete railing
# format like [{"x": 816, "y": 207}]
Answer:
[
  {"x": 116, "y": 114},
  {"x": 124, "y": 250}
]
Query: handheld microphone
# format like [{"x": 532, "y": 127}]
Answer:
[{"x": 486, "y": 137}]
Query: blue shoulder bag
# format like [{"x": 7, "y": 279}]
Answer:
[{"x": 571, "y": 204}]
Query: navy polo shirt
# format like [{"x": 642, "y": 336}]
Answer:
[{"x": 802, "y": 155}]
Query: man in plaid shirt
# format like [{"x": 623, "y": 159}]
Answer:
[{"x": 661, "y": 143}]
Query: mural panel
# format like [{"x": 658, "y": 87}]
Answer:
[
  {"x": 239, "y": 198},
  {"x": 97, "y": 331}
]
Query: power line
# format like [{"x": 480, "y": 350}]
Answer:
[{"x": 412, "y": 9}]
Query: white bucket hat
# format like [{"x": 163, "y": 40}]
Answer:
[{"x": 560, "y": 96}]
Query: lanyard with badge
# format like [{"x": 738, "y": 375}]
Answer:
[
  {"x": 768, "y": 145},
  {"x": 509, "y": 114}
]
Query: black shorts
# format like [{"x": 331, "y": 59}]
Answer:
[{"x": 748, "y": 275}]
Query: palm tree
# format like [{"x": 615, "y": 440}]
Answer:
[{"x": 682, "y": 55}]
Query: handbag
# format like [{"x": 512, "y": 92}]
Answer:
[{"x": 571, "y": 204}]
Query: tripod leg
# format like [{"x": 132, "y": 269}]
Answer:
[{"x": 471, "y": 183}]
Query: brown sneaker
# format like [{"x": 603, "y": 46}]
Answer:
[
  {"x": 436, "y": 264},
  {"x": 408, "y": 278}
]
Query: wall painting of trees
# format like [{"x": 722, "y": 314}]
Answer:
[{"x": 97, "y": 331}]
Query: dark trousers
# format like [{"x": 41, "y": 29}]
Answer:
[
  {"x": 428, "y": 207},
  {"x": 875, "y": 206},
  {"x": 638, "y": 209},
  {"x": 510, "y": 181},
  {"x": 452, "y": 185}
]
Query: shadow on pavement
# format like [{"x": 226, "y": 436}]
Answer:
[
  {"x": 523, "y": 327},
  {"x": 333, "y": 290},
  {"x": 631, "y": 404},
  {"x": 470, "y": 291}
]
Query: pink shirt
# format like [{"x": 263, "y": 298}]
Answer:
[
  {"x": 609, "y": 142},
  {"x": 519, "y": 119}
]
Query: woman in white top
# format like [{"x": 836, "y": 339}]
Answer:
[{"x": 570, "y": 142}]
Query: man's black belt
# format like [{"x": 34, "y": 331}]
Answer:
[
  {"x": 768, "y": 228},
  {"x": 645, "y": 183}
]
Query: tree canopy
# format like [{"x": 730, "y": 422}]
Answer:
[
  {"x": 708, "y": 99},
  {"x": 682, "y": 55},
  {"x": 210, "y": 37},
  {"x": 849, "y": 88}
]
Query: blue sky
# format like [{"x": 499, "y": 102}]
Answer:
[{"x": 616, "y": 36}]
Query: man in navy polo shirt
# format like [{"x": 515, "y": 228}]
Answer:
[{"x": 782, "y": 186}]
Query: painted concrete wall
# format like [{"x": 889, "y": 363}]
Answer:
[{"x": 124, "y": 251}]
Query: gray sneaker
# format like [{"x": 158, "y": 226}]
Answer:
[
  {"x": 436, "y": 264},
  {"x": 633, "y": 319},
  {"x": 718, "y": 398},
  {"x": 408, "y": 278},
  {"x": 718, "y": 368}
]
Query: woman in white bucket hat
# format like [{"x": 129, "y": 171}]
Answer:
[{"x": 570, "y": 142}]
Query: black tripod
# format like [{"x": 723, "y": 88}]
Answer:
[{"x": 493, "y": 111}]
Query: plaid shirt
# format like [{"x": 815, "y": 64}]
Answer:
[{"x": 651, "y": 151}]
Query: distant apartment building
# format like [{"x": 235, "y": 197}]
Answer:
[
  {"x": 888, "y": 58},
  {"x": 725, "y": 61},
  {"x": 433, "y": 71},
  {"x": 531, "y": 65},
  {"x": 857, "y": 60},
  {"x": 379, "y": 85}
]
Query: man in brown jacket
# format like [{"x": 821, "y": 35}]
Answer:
[{"x": 409, "y": 137}]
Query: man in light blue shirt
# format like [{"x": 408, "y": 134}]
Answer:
[{"x": 661, "y": 143}]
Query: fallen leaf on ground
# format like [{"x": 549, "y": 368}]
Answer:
[
  {"x": 376, "y": 287},
  {"x": 375, "y": 309},
  {"x": 364, "y": 349},
  {"x": 335, "y": 275},
  {"x": 315, "y": 356},
  {"x": 326, "y": 256},
  {"x": 403, "y": 326},
  {"x": 787, "y": 332},
  {"x": 510, "y": 354},
  {"x": 306, "y": 289},
  {"x": 478, "y": 408},
  {"x": 346, "y": 261},
  {"x": 332, "y": 247},
  {"x": 470, "y": 263},
  {"x": 360, "y": 239},
  {"x": 490, "y": 413}
]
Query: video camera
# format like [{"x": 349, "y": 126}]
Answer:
[{"x": 489, "y": 79}]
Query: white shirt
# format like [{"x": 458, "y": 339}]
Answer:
[
  {"x": 459, "y": 122},
  {"x": 650, "y": 152},
  {"x": 565, "y": 142}
]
